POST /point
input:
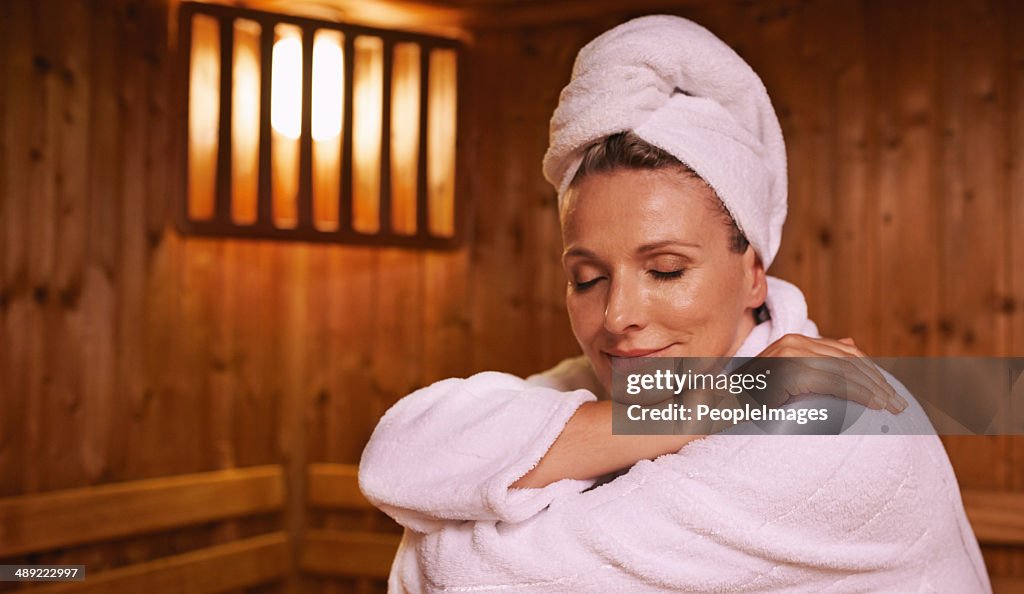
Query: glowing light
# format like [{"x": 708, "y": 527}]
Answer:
[
  {"x": 328, "y": 87},
  {"x": 245, "y": 122},
  {"x": 286, "y": 87},
  {"x": 203, "y": 116},
  {"x": 368, "y": 92}
]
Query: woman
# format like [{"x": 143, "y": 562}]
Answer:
[{"x": 670, "y": 170}]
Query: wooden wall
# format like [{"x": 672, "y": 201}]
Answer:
[{"x": 128, "y": 351}]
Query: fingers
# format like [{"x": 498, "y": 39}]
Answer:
[
  {"x": 859, "y": 369},
  {"x": 864, "y": 364},
  {"x": 835, "y": 377},
  {"x": 818, "y": 374}
]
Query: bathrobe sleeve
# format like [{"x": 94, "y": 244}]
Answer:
[{"x": 451, "y": 451}]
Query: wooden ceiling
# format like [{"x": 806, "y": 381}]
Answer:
[{"x": 460, "y": 18}]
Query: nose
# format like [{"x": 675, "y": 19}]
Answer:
[{"x": 626, "y": 309}]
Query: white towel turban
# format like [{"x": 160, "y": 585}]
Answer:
[{"x": 678, "y": 87}]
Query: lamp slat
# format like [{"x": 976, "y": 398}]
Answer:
[
  {"x": 305, "y": 197},
  {"x": 385, "y": 140},
  {"x": 185, "y": 69},
  {"x": 345, "y": 198},
  {"x": 422, "y": 194},
  {"x": 264, "y": 207},
  {"x": 222, "y": 204}
]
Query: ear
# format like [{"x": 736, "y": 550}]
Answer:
[{"x": 755, "y": 278}]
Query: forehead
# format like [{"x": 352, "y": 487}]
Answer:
[{"x": 630, "y": 203}]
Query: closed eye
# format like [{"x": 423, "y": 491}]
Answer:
[
  {"x": 583, "y": 286},
  {"x": 667, "y": 275}
]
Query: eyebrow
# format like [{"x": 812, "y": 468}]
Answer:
[
  {"x": 650, "y": 247},
  {"x": 647, "y": 247}
]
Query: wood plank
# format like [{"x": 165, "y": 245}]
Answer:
[
  {"x": 907, "y": 222},
  {"x": 337, "y": 486},
  {"x": 131, "y": 261},
  {"x": 1012, "y": 306},
  {"x": 47, "y": 521},
  {"x": 68, "y": 343},
  {"x": 997, "y": 517},
  {"x": 971, "y": 147},
  {"x": 1007, "y": 585},
  {"x": 351, "y": 415},
  {"x": 855, "y": 290},
  {"x": 292, "y": 355},
  {"x": 397, "y": 336},
  {"x": 349, "y": 554},
  {"x": 97, "y": 411},
  {"x": 19, "y": 107},
  {"x": 237, "y": 564}
]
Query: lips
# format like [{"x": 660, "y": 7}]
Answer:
[{"x": 632, "y": 353}]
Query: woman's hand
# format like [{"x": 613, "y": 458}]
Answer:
[{"x": 825, "y": 366}]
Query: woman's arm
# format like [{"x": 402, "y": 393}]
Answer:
[
  {"x": 451, "y": 450},
  {"x": 587, "y": 449}
]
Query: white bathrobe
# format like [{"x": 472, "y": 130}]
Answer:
[{"x": 727, "y": 513}]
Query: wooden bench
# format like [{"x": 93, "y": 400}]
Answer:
[
  {"x": 62, "y": 519},
  {"x": 344, "y": 553},
  {"x": 52, "y": 521}
]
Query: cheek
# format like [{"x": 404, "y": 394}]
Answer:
[
  {"x": 705, "y": 306},
  {"x": 586, "y": 313},
  {"x": 679, "y": 309}
]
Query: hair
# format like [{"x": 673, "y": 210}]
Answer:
[{"x": 626, "y": 150}]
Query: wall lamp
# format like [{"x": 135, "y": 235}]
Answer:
[{"x": 311, "y": 130}]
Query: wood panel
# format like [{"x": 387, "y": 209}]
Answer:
[
  {"x": 59, "y": 519},
  {"x": 336, "y": 485},
  {"x": 349, "y": 554},
  {"x": 1007, "y": 585},
  {"x": 997, "y": 517}
]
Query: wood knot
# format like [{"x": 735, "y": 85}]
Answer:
[
  {"x": 1005, "y": 305},
  {"x": 69, "y": 296},
  {"x": 919, "y": 329},
  {"x": 40, "y": 294},
  {"x": 42, "y": 63}
]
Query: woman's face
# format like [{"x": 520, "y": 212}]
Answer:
[{"x": 650, "y": 269}]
